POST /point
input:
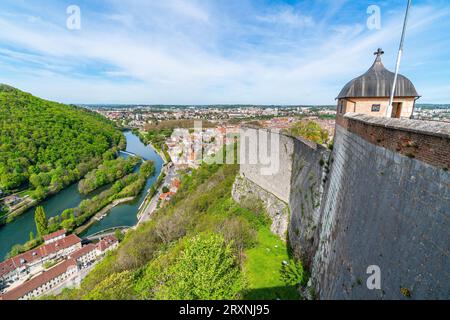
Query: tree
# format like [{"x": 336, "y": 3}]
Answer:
[
  {"x": 39, "y": 193},
  {"x": 165, "y": 189},
  {"x": 119, "y": 235},
  {"x": 31, "y": 236},
  {"x": 35, "y": 180},
  {"x": 15, "y": 250},
  {"x": 147, "y": 168},
  {"x": 206, "y": 269},
  {"x": 41, "y": 221},
  {"x": 310, "y": 130},
  {"x": 68, "y": 224},
  {"x": 37, "y": 136}
]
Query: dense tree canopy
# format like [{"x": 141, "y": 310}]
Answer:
[
  {"x": 48, "y": 144},
  {"x": 109, "y": 171}
]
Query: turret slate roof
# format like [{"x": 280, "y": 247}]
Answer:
[{"x": 377, "y": 82}]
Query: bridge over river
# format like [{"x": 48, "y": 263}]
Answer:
[
  {"x": 129, "y": 153},
  {"x": 105, "y": 233}
]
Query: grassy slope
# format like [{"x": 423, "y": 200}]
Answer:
[
  {"x": 203, "y": 204},
  {"x": 262, "y": 268}
]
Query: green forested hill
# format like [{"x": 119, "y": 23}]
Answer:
[{"x": 49, "y": 144}]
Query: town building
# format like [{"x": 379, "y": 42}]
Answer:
[
  {"x": 175, "y": 185},
  {"x": 31, "y": 262},
  {"x": 91, "y": 252},
  {"x": 106, "y": 244},
  {"x": 55, "y": 236},
  {"x": 12, "y": 200},
  {"x": 166, "y": 196},
  {"x": 85, "y": 256},
  {"x": 369, "y": 93},
  {"x": 43, "y": 282}
]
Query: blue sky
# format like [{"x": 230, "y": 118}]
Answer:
[{"x": 216, "y": 51}]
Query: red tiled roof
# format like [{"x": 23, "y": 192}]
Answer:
[
  {"x": 83, "y": 251},
  {"x": 107, "y": 242},
  {"x": 38, "y": 281},
  {"x": 166, "y": 195},
  {"x": 63, "y": 243},
  {"x": 37, "y": 253},
  {"x": 54, "y": 234}
]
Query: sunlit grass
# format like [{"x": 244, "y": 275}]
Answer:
[{"x": 262, "y": 268}]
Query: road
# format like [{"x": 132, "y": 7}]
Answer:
[{"x": 151, "y": 207}]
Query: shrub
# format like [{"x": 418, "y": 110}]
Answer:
[
  {"x": 310, "y": 130},
  {"x": 118, "y": 286},
  {"x": 206, "y": 269},
  {"x": 292, "y": 273},
  {"x": 239, "y": 234}
]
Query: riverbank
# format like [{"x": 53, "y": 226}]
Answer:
[
  {"x": 27, "y": 202},
  {"x": 149, "y": 143},
  {"x": 103, "y": 211},
  {"x": 149, "y": 198},
  {"x": 24, "y": 206},
  {"x": 124, "y": 214}
]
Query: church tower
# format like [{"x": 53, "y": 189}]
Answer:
[{"x": 369, "y": 93}]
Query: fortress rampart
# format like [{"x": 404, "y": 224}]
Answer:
[{"x": 381, "y": 197}]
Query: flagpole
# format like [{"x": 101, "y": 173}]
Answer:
[{"x": 399, "y": 58}]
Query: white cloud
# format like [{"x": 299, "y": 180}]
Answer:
[
  {"x": 288, "y": 16},
  {"x": 189, "y": 65}
]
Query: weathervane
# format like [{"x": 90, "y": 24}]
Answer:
[{"x": 399, "y": 58}]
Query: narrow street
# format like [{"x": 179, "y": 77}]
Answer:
[{"x": 151, "y": 207}]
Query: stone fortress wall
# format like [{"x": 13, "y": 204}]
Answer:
[
  {"x": 252, "y": 142},
  {"x": 381, "y": 197},
  {"x": 298, "y": 185}
]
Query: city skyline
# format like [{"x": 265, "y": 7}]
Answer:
[{"x": 204, "y": 53}]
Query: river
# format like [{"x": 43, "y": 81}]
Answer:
[{"x": 122, "y": 215}]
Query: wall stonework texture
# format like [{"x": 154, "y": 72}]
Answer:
[
  {"x": 382, "y": 208},
  {"x": 278, "y": 182},
  {"x": 382, "y": 198},
  {"x": 248, "y": 193},
  {"x": 299, "y": 183},
  {"x": 309, "y": 169},
  {"x": 427, "y": 141}
]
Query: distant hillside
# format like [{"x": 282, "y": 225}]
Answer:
[
  {"x": 6, "y": 88},
  {"x": 48, "y": 145}
]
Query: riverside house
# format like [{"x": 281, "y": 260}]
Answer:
[
  {"x": 23, "y": 266},
  {"x": 63, "y": 274}
]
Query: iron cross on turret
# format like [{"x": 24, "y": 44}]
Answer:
[{"x": 379, "y": 52}]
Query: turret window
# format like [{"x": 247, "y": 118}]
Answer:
[
  {"x": 376, "y": 108},
  {"x": 341, "y": 106}
]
